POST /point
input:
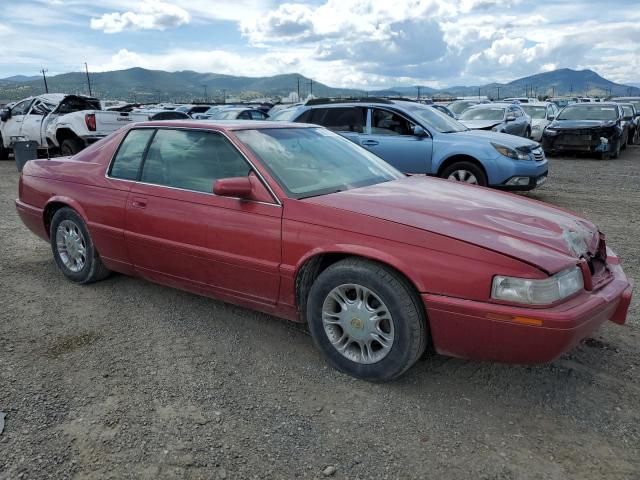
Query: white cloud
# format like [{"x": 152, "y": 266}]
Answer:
[{"x": 149, "y": 15}]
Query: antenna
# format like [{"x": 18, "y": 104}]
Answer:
[
  {"x": 44, "y": 77},
  {"x": 86, "y": 69}
]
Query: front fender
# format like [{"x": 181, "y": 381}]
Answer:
[{"x": 365, "y": 252}]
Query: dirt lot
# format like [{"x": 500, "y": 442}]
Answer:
[{"x": 126, "y": 379}]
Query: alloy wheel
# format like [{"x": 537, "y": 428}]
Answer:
[{"x": 358, "y": 323}]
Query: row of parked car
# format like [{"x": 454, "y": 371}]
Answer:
[{"x": 479, "y": 142}]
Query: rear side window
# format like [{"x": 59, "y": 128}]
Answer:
[
  {"x": 257, "y": 115},
  {"x": 349, "y": 119},
  {"x": 191, "y": 160},
  {"x": 126, "y": 164}
]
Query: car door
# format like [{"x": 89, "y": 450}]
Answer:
[
  {"x": 13, "y": 125},
  {"x": 390, "y": 136},
  {"x": 514, "y": 127},
  {"x": 31, "y": 127},
  {"x": 179, "y": 233}
]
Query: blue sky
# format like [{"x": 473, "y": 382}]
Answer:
[{"x": 349, "y": 43}]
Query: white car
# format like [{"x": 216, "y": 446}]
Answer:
[
  {"x": 542, "y": 114},
  {"x": 65, "y": 123}
]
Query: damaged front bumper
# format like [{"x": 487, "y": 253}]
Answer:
[{"x": 592, "y": 141}]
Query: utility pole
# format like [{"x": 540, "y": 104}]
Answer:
[
  {"x": 205, "y": 92},
  {"x": 86, "y": 69},
  {"x": 478, "y": 93},
  {"x": 418, "y": 87},
  {"x": 310, "y": 87},
  {"x": 298, "y": 78},
  {"x": 224, "y": 96},
  {"x": 46, "y": 87}
]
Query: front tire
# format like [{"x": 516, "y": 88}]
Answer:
[
  {"x": 367, "y": 320},
  {"x": 466, "y": 172},
  {"x": 73, "y": 250}
]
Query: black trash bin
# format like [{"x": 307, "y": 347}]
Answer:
[{"x": 24, "y": 151}]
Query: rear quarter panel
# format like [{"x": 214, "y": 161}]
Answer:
[{"x": 80, "y": 183}]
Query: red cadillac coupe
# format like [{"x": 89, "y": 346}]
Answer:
[{"x": 298, "y": 222}]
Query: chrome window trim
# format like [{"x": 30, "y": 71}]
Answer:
[{"x": 277, "y": 202}]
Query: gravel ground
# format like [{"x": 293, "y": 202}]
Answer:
[{"x": 126, "y": 379}]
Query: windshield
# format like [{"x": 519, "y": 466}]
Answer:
[
  {"x": 308, "y": 162},
  {"x": 483, "y": 113},
  {"x": 435, "y": 119},
  {"x": 588, "y": 112},
  {"x": 284, "y": 115},
  {"x": 459, "y": 107},
  {"x": 539, "y": 113}
]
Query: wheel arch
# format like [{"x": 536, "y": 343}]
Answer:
[
  {"x": 317, "y": 261},
  {"x": 56, "y": 203},
  {"x": 461, "y": 157},
  {"x": 63, "y": 134}
]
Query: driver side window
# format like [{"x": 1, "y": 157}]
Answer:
[
  {"x": 191, "y": 160},
  {"x": 20, "y": 108},
  {"x": 384, "y": 122}
]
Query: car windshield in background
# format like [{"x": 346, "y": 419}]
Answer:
[
  {"x": 435, "y": 119},
  {"x": 628, "y": 110},
  {"x": 588, "y": 112},
  {"x": 459, "y": 107},
  {"x": 538, "y": 113},
  {"x": 483, "y": 113},
  {"x": 308, "y": 162},
  {"x": 284, "y": 115}
]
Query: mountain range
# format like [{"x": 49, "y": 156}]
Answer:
[{"x": 142, "y": 85}]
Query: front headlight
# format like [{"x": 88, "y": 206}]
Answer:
[
  {"x": 550, "y": 131},
  {"x": 510, "y": 152},
  {"x": 536, "y": 127},
  {"x": 538, "y": 292}
]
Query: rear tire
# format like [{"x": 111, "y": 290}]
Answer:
[
  {"x": 4, "y": 152},
  {"x": 367, "y": 320},
  {"x": 73, "y": 249},
  {"x": 466, "y": 172},
  {"x": 71, "y": 146}
]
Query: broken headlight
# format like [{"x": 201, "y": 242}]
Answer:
[{"x": 538, "y": 292}]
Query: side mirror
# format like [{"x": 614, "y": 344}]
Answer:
[
  {"x": 239, "y": 187},
  {"x": 418, "y": 131},
  {"x": 510, "y": 118},
  {"x": 5, "y": 114}
]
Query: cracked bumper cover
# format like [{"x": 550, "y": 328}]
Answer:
[{"x": 469, "y": 329}]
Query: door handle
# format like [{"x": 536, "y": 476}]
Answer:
[
  {"x": 370, "y": 143},
  {"x": 138, "y": 202}
]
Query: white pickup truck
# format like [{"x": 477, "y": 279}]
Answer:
[{"x": 60, "y": 122}]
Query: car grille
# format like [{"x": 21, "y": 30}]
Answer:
[{"x": 538, "y": 154}]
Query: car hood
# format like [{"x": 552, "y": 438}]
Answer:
[
  {"x": 578, "y": 124},
  {"x": 511, "y": 141},
  {"x": 533, "y": 232},
  {"x": 480, "y": 124}
]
